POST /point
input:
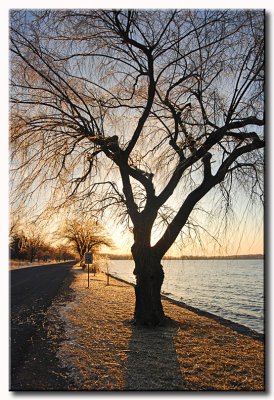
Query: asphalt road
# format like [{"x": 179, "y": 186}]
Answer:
[{"x": 32, "y": 290}]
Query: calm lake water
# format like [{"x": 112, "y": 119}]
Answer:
[{"x": 232, "y": 289}]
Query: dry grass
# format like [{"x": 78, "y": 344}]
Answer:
[{"x": 104, "y": 351}]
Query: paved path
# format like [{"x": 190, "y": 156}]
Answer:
[{"x": 31, "y": 293}]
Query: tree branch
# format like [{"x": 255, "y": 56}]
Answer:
[{"x": 196, "y": 195}]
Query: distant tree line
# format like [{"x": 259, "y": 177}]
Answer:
[
  {"x": 72, "y": 240},
  {"x": 232, "y": 257},
  {"x": 24, "y": 247}
]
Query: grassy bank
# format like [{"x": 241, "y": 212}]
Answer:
[{"x": 104, "y": 351}]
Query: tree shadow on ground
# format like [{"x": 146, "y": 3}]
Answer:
[{"x": 152, "y": 362}]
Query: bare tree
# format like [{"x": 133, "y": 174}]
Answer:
[
  {"x": 32, "y": 240},
  {"x": 144, "y": 111},
  {"x": 85, "y": 236}
]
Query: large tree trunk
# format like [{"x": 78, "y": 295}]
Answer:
[{"x": 149, "y": 278}]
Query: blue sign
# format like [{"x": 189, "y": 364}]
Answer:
[{"x": 88, "y": 258}]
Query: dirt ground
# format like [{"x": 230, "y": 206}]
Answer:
[{"x": 101, "y": 350}]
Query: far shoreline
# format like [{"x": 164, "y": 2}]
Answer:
[{"x": 185, "y": 258}]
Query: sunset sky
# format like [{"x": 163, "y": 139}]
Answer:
[{"x": 246, "y": 236}]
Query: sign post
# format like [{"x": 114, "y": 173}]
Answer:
[{"x": 88, "y": 260}]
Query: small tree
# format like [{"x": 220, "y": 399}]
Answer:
[{"x": 85, "y": 236}]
